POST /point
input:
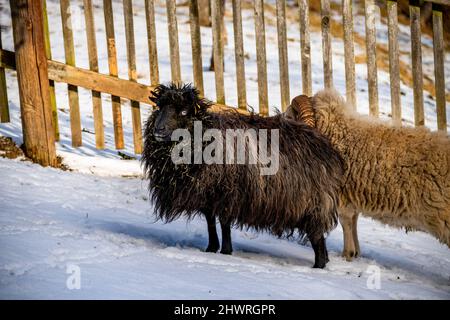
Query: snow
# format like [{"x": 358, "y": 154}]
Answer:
[
  {"x": 99, "y": 218},
  {"x": 51, "y": 220}
]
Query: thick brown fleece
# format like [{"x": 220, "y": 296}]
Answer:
[{"x": 397, "y": 175}]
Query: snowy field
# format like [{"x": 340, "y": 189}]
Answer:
[
  {"x": 98, "y": 217},
  {"x": 51, "y": 221}
]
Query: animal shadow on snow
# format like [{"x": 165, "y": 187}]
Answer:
[{"x": 160, "y": 237}]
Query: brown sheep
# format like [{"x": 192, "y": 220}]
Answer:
[{"x": 397, "y": 175}]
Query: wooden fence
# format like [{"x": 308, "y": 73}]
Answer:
[{"x": 37, "y": 72}]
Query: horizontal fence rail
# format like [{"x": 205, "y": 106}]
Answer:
[{"x": 138, "y": 93}]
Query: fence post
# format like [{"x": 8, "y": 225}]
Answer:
[
  {"x": 32, "y": 75},
  {"x": 4, "y": 108}
]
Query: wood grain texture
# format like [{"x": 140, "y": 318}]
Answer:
[
  {"x": 349, "y": 52},
  {"x": 4, "y": 107},
  {"x": 394, "y": 64},
  {"x": 261, "y": 57},
  {"x": 371, "y": 53},
  {"x": 239, "y": 55},
  {"x": 439, "y": 73},
  {"x": 33, "y": 82},
  {"x": 325, "y": 11},
  {"x": 132, "y": 74},
  {"x": 174, "y": 47},
  {"x": 196, "y": 43},
  {"x": 113, "y": 71},
  {"x": 48, "y": 52},
  {"x": 93, "y": 65},
  {"x": 74, "y": 104},
  {"x": 151, "y": 40},
  {"x": 416, "y": 60},
  {"x": 216, "y": 17},
  {"x": 305, "y": 47},
  {"x": 283, "y": 54}
]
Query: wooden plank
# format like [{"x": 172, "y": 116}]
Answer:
[
  {"x": 31, "y": 62},
  {"x": 239, "y": 54},
  {"x": 151, "y": 39},
  {"x": 4, "y": 106},
  {"x": 283, "y": 53},
  {"x": 326, "y": 43},
  {"x": 416, "y": 59},
  {"x": 261, "y": 57},
  {"x": 204, "y": 12},
  {"x": 371, "y": 53},
  {"x": 173, "y": 41},
  {"x": 216, "y": 17},
  {"x": 74, "y": 105},
  {"x": 439, "y": 54},
  {"x": 305, "y": 47},
  {"x": 95, "y": 81},
  {"x": 93, "y": 65},
  {"x": 349, "y": 52},
  {"x": 48, "y": 52},
  {"x": 196, "y": 42},
  {"x": 113, "y": 85},
  {"x": 132, "y": 74},
  {"x": 113, "y": 71},
  {"x": 98, "y": 82},
  {"x": 394, "y": 64}
]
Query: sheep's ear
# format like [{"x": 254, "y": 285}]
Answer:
[{"x": 157, "y": 93}]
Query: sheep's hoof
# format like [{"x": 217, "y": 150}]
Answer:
[
  {"x": 211, "y": 248},
  {"x": 320, "y": 265},
  {"x": 226, "y": 251},
  {"x": 349, "y": 255}
]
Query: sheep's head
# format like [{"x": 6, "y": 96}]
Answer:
[{"x": 177, "y": 107}]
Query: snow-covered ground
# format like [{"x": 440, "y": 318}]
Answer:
[
  {"x": 53, "y": 222},
  {"x": 98, "y": 218}
]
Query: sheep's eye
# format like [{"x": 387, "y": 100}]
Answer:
[{"x": 184, "y": 112}]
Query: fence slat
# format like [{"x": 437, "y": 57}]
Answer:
[
  {"x": 74, "y": 105},
  {"x": 132, "y": 74},
  {"x": 112, "y": 64},
  {"x": 173, "y": 40},
  {"x": 326, "y": 43},
  {"x": 33, "y": 84},
  {"x": 48, "y": 52},
  {"x": 151, "y": 38},
  {"x": 394, "y": 67},
  {"x": 4, "y": 107},
  {"x": 349, "y": 52},
  {"x": 196, "y": 42},
  {"x": 305, "y": 47},
  {"x": 216, "y": 17},
  {"x": 416, "y": 59},
  {"x": 261, "y": 57},
  {"x": 239, "y": 55},
  {"x": 371, "y": 53},
  {"x": 438, "y": 48},
  {"x": 283, "y": 54},
  {"x": 93, "y": 65}
]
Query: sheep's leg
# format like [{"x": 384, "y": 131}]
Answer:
[
  {"x": 355, "y": 234},
  {"x": 346, "y": 220},
  {"x": 213, "y": 242},
  {"x": 320, "y": 250},
  {"x": 227, "y": 247}
]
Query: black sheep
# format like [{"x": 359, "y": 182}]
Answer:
[{"x": 301, "y": 196}]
